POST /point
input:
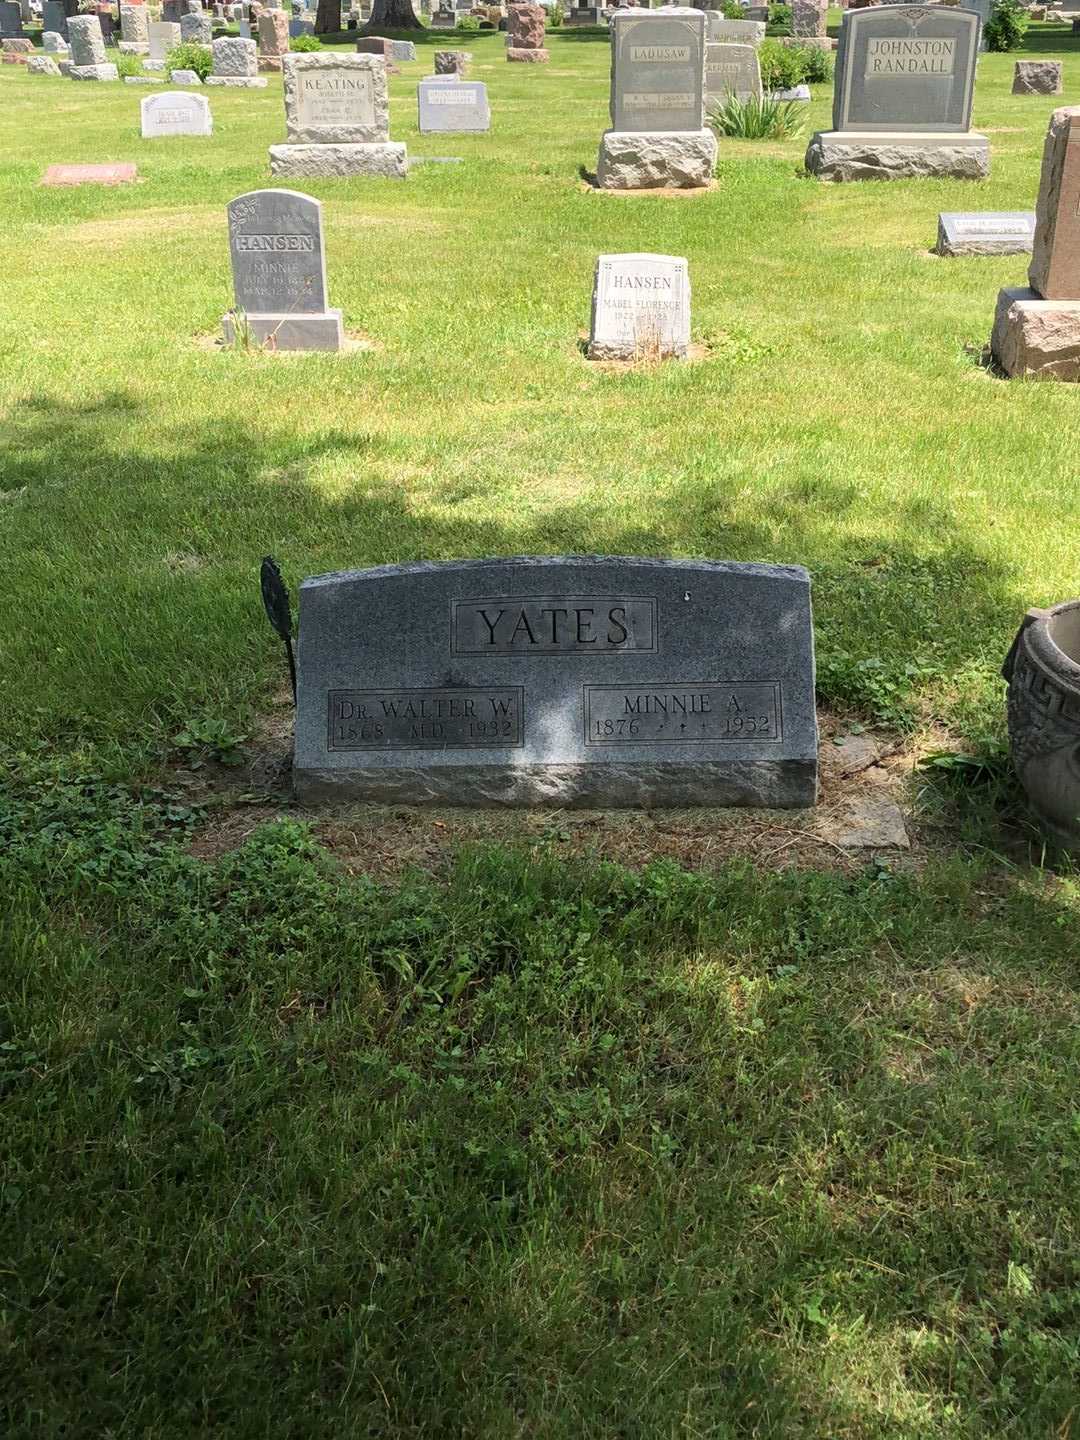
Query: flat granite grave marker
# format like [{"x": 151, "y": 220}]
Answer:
[
  {"x": 450, "y": 106},
  {"x": 640, "y": 308},
  {"x": 279, "y": 273},
  {"x": 658, "y": 136},
  {"x": 175, "y": 112},
  {"x": 988, "y": 232},
  {"x": 563, "y": 680},
  {"x": 337, "y": 118},
  {"x": 902, "y": 96}
]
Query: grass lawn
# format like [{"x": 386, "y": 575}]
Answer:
[{"x": 516, "y": 1143}]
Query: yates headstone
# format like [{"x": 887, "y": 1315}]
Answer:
[
  {"x": 175, "y": 112},
  {"x": 640, "y": 308},
  {"x": 450, "y": 106},
  {"x": 279, "y": 273},
  {"x": 586, "y": 680}
]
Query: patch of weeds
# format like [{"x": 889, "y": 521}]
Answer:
[
  {"x": 208, "y": 739},
  {"x": 888, "y": 690}
]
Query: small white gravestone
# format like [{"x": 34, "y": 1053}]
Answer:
[
  {"x": 175, "y": 112},
  {"x": 449, "y": 105},
  {"x": 640, "y": 308}
]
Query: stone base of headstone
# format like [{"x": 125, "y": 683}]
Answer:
[
  {"x": 133, "y": 47},
  {"x": 270, "y": 63},
  {"x": 387, "y": 159},
  {"x": 527, "y": 57},
  {"x": 288, "y": 331},
  {"x": 898, "y": 155},
  {"x": 94, "y": 72},
  {"x": 42, "y": 65},
  {"x": 185, "y": 77},
  {"x": 1036, "y": 338},
  {"x": 241, "y": 82},
  {"x": 808, "y": 42},
  {"x": 654, "y": 159},
  {"x": 153, "y": 64},
  {"x": 144, "y": 79}
]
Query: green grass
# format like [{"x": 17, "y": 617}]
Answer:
[{"x": 528, "y": 1147}]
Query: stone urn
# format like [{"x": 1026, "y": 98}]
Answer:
[{"x": 1043, "y": 672}]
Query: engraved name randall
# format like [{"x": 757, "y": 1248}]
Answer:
[
  {"x": 425, "y": 719},
  {"x": 683, "y": 714},
  {"x": 303, "y": 243},
  {"x": 553, "y": 625}
]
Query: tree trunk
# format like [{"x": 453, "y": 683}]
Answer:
[
  {"x": 328, "y": 17},
  {"x": 392, "y": 15}
]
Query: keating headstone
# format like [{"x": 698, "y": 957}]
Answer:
[
  {"x": 905, "y": 78},
  {"x": 658, "y": 135},
  {"x": 449, "y": 105},
  {"x": 1037, "y": 330},
  {"x": 640, "y": 308},
  {"x": 337, "y": 119},
  {"x": 987, "y": 232},
  {"x": 581, "y": 680},
  {"x": 731, "y": 70},
  {"x": 88, "y": 50},
  {"x": 175, "y": 112},
  {"x": 279, "y": 273}
]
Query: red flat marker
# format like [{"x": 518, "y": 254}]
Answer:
[{"x": 120, "y": 174}]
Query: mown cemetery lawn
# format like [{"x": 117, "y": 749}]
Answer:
[{"x": 581, "y": 1128}]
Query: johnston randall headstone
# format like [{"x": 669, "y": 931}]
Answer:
[{"x": 587, "y": 680}]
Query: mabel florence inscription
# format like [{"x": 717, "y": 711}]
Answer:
[{"x": 563, "y": 680}]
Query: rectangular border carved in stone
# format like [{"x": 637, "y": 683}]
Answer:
[
  {"x": 563, "y": 601},
  {"x": 455, "y": 692},
  {"x": 588, "y": 691}
]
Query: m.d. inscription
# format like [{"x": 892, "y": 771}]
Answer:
[
  {"x": 681, "y": 714},
  {"x": 553, "y": 625},
  {"x": 416, "y": 719}
]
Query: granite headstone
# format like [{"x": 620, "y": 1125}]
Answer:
[
  {"x": 731, "y": 70},
  {"x": 906, "y": 68},
  {"x": 593, "y": 680},
  {"x": 986, "y": 232},
  {"x": 175, "y": 112},
  {"x": 450, "y": 105},
  {"x": 640, "y": 308},
  {"x": 657, "y": 70}
]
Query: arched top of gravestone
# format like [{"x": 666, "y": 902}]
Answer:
[
  {"x": 795, "y": 574},
  {"x": 276, "y": 247},
  {"x": 906, "y": 67}
]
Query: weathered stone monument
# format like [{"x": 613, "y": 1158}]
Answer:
[
  {"x": 134, "y": 30},
  {"x": 526, "y": 26},
  {"x": 452, "y": 62},
  {"x": 731, "y": 70},
  {"x": 337, "y": 119},
  {"x": 88, "y": 50},
  {"x": 902, "y": 97},
  {"x": 1037, "y": 77},
  {"x": 987, "y": 232},
  {"x": 279, "y": 274},
  {"x": 236, "y": 64},
  {"x": 640, "y": 308},
  {"x": 196, "y": 29},
  {"x": 175, "y": 112},
  {"x": 1037, "y": 330},
  {"x": 42, "y": 65},
  {"x": 447, "y": 105},
  {"x": 808, "y": 19},
  {"x": 273, "y": 39},
  {"x": 658, "y": 135},
  {"x": 582, "y": 680},
  {"x": 164, "y": 35}
]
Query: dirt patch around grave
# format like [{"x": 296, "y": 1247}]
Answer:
[
  {"x": 669, "y": 192},
  {"x": 697, "y": 352}
]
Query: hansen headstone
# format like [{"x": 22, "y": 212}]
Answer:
[
  {"x": 584, "y": 680},
  {"x": 640, "y": 308}
]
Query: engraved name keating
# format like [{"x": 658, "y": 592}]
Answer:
[{"x": 910, "y": 57}]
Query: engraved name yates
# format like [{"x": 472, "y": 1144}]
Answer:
[
  {"x": 553, "y": 625},
  {"x": 425, "y": 719},
  {"x": 681, "y": 714}
]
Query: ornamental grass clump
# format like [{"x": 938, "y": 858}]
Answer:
[{"x": 757, "y": 118}]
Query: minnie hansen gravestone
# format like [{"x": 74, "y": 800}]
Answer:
[{"x": 588, "y": 680}]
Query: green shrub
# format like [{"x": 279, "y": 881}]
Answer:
[
  {"x": 555, "y": 17},
  {"x": 732, "y": 10},
  {"x": 190, "y": 56},
  {"x": 756, "y": 119},
  {"x": 781, "y": 65},
  {"x": 1007, "y": 24},
  {"x": 468, "y": 25},
  {"x": 303, "y": 43},
  {"x": 817, "y": 64},
  {"x": 127, "y": 64},
  {"x": 779, "y": 21}
]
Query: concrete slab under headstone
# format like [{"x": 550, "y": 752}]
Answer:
[{"x": 583, "y": 680}]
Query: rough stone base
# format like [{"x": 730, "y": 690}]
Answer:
[
  {"x": 289, "y": 332},
  {"x": 144, "y": 79},
  {"x": 779, "y": 784},
  {"x": 388, "y": 159},
  {"x": 133, "y": 47},
  {"x": 1036, "y": 337},
  {"x": 243, "y": 82},
  {"x": 651, "y": 160},
  {"x": 528, "y": 57},
  {"x": 153, "y": 64},
  {"x": 1037, "y": 77},
  {"x": 897, "y": 155},
  {"x": 94, "y": 72},
  {"x": 628, "y": 352},
  {"x": 270, "y": 63},
  {"x": 42, "y": 65}
]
